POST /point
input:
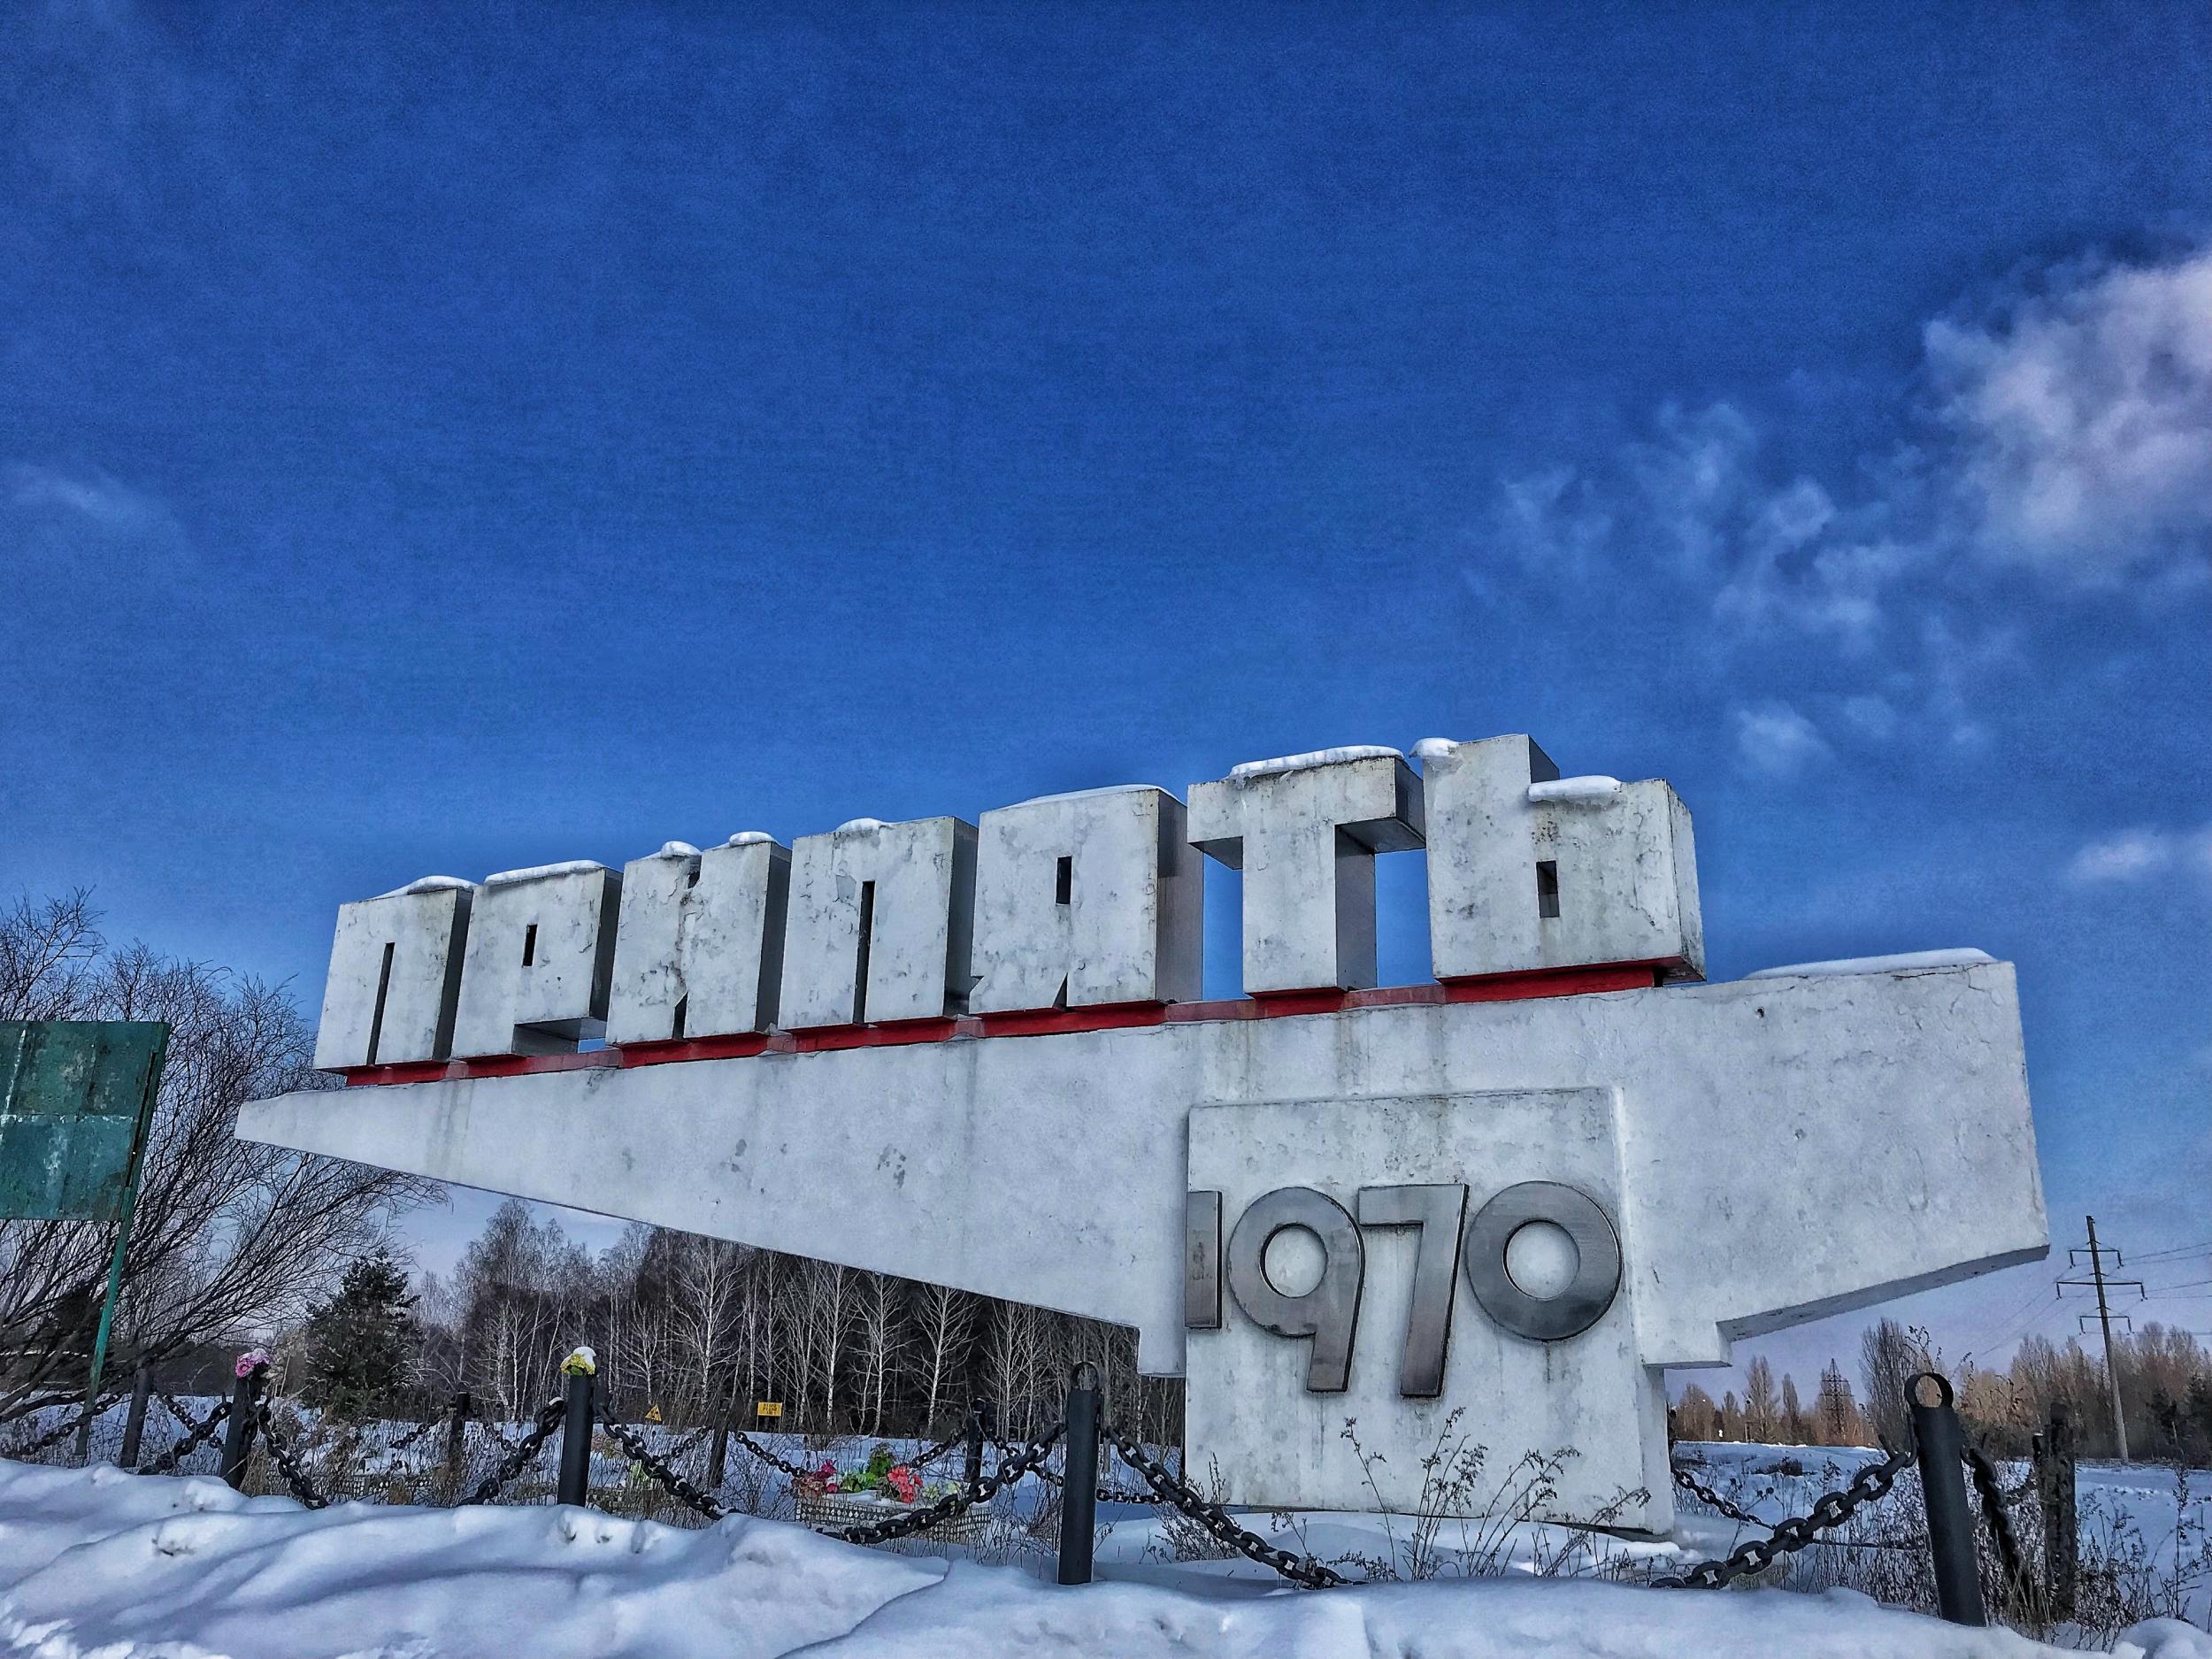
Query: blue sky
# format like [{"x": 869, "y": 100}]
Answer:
[{"x": 447, "y": 445}]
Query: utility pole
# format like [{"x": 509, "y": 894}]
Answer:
[{"x": 2097, "y": 1280}]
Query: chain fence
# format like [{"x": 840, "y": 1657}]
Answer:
[
  {"x": 442, "y": 1455},
  {"x": 1829, "y": 1510}
]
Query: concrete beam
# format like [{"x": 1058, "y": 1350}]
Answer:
[{"x": 1760, "y": 1134}]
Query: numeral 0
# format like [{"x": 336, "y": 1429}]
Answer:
[{"x": 1329, "y": 1312}]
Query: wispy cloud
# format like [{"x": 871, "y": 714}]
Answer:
[
  {"x": 107, "y": 502},
  {"x": 2083, "y": 423},
  {"x": 69, "y": 525},
  {"x": 2140, "y": 854},
  {"x": 2066, "y": 434},
  {"x": 1776, "y": 740}
]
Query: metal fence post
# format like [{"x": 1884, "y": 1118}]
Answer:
[
  {"x": 1078, "y": 1494},
  {"x": 238, "y": 1431},
  {"x": 719, "y": 1453},
  {"x": 576, "y": 1423},
  {"x": 457, "y": 1439},
  {"x": 1941, "y": 1447},
  {"x": 135, "y": 1420},
  {"x": 972, "y": 1469},
  {"x": 2062, "y": 1521}
]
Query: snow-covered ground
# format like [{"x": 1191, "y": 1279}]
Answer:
[{"x": 97, "y": 1562}]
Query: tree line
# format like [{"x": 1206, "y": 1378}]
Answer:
[
  {"x": 2165, "y": 1389},
  {"x": 694, "y": 1328}
]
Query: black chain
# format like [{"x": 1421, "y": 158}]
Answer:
[
  {"x": 747, "y": 1444},
  {"x": 1831, "y": 1508},
  {"x": 936, "y": 1451},
  {"x": 2000, "y": 1523},
  {"x": 661, "y": 1469},
  {"x": 201, "y": 1432},
  {"x": 1298, "y": 1569},
  {"x": 957, "y": 1501},
  {"x": 62, "y": 1431},
  {"x": 1705, "y": 1495},
  {"x": 295, "y": 1475},
  {"x": 524, "y": 1452},
  {"x": 1105, "y": 1493},
  {"x": 418, "y": 1431}
]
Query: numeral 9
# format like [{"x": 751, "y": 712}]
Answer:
[{"x": 1329, "y": 1313}]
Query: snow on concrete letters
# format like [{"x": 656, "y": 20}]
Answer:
[
  {"x": 1696, "y": 1157},
  {"x": 97, "y": 1562},
  {"x": 1305, "y": 830},
  {"x": 699, "y": 949},
  {"x": 1085, "y": 901},
  {"x": 541, "y": 947}
]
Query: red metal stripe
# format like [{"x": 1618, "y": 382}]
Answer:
[{"x": 1490, "y": 988}]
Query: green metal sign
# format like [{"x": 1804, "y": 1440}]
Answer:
[{"x": 75, "y": 1098}]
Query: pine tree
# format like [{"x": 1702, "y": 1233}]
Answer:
[{"x": 361, "y": 1343}]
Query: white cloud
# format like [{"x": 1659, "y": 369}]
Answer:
[
  {"x": 2069, "y": 433},
  {"x": 2137, "y": 855},
  {"x": 2082, "y": 422},
  {"x": 1776, "y": 740},
  {"x": 1873, "y": 717},
  {"x": 105, "y": 502}
]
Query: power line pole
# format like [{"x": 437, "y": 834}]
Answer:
[{"x": 2096, "y": 1253}]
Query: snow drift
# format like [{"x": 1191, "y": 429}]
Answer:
[{"x": 98, "y": 1561}]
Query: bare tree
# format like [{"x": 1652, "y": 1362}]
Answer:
[
  {"x": 1889, "y": 1356},
  {"x": 943, "y": 1321},
  {"x": 828, "y": 1305},
  {"x": 883, "y": 1339},
  {"x": 705, "y": 1309},
  {"x": 228, "y": 1236},
  {"x": 1762, "y": 1411}
]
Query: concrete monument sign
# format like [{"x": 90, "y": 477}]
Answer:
[{"x": 1523, "y": 1189}]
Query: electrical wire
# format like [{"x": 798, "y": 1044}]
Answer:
[{"x": 2175, "y": 1251}]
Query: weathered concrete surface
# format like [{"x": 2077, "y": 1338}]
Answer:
[
  {"x": 1590, "y": 1392},
  {"x": 702, "y": 932},
  {"x": 1788, "y": 1147},
  {"x": 540, "y": 954},
  {"x": 915, "y": 885},
  {"x": 395, "y": 969},
  {"x": 1625, "y": 867},
  {"x": 1130, "y": 927},
  {"x": 1306, "y": 838}
]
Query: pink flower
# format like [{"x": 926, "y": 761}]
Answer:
[
  {"x": 905, "y": 1482},
  {"x": 250, "y": 1362}
]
